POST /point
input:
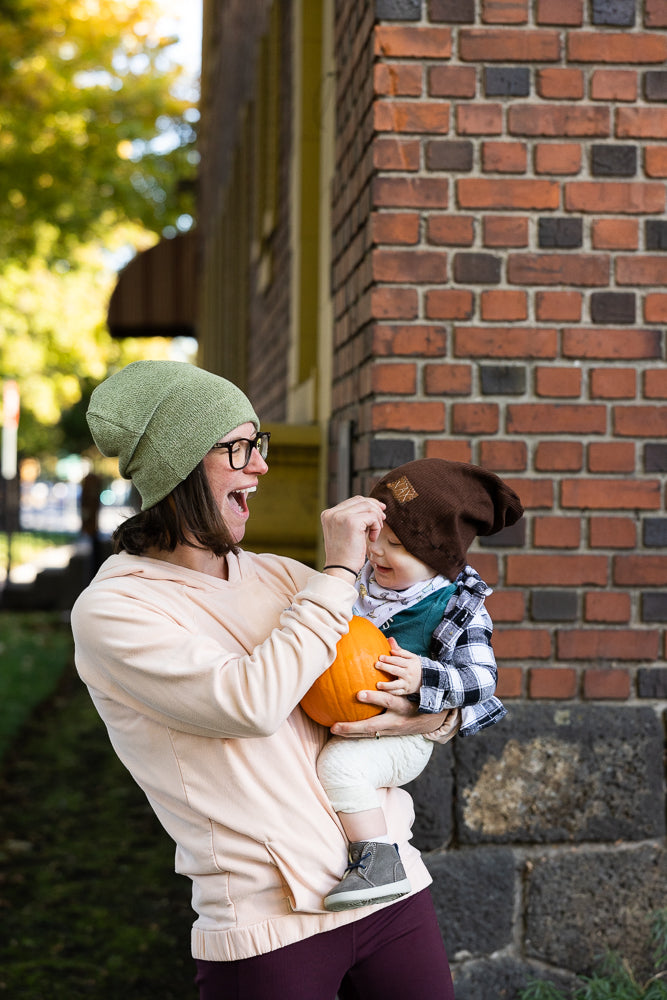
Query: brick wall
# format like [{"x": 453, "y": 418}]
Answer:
[{"x": 499, "y": 271}]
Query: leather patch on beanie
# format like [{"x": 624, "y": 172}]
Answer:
[{"x": 402, "y": 490}]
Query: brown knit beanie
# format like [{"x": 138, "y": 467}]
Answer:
[{"x": 436, "y": 508}]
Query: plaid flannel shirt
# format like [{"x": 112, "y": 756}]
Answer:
[{"x": 464, "y": 672}]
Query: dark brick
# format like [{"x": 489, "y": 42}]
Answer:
[
  {"x": 655, "y": 532},
  {"x": 509, "y": 537},
  {"x": 432, "y": 794},
  {"x": 613, "y": 307},
  {"x": 565, "y": 233},
  {"x": 652, "y": 682},
  {"x": 614, "y": 161},
  {"x": 554, "y": 605},
  {"x": 476, "y": 268},
  {"x": 655, "y": 85},
  {"x": 655, "y": 457},
  {"x": 398, "y": 10},
  {"x": 457, "y": 11},
  {"x": 618, "y": 12},
  {"x": 387, "y": 453},
  {"x": 654, "y": 607},
  {"x": 656, "y": 234},
  {"x": 506, "y": 81},
  {"x": 503, "y": 380},
  {"x": 447, "y": 155}
]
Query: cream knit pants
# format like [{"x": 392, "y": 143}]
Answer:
[{"x": 352, "y": 770}]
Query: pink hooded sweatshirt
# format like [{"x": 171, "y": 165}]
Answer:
[{"x": 198, "y": 681}]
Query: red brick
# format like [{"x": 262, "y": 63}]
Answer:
[
  {"x": 409, "y": 266},
  {"x": 562, "y": 382},
  {"x": 556, "y": 418},
  {"x": 510, "y": 682},
  {"x": 612, "y": 533},
  {"x": 655, "y": 384},
  {"x": 536, "y": 494},
  {"x": 500, "y": 305},
  {"x": 507, "y": 605},
  {"x": 616, "y": 47},
  {"x": 475, "y": 192},
  {"x": 479, "y": 119},
  {"x": 508, "y": 45},
  {"x": 449, "y": 303},
  {"x": 447, "y": 379},
  {"x": 395, "y": 227},
  {"x": 558, "y": 269},
  {"x": 655, "y": 14},
  {"x": 558, "y": 83},
  {"x": 610, "y": 494},
  {"x": 559, "y": 456},
  {"x": 612, "y": 345},
  {"x": 410, "y": 192},
  {"x": 418, "y": 340},
  {"x": 641, "y": 123},
  {"x": 557, "y": 571},
  {"x": 453, "y": 451},
  {"x": 396, "y": 154},
  {"x": 450, "y": 230},
  {"x": 404, "y": 416},
  {"x": 640, "y": 421},
  {"x": 552, "y": 682},
  {"x": 607, "y": 607},
  {"x": 645, "y": 270},
  {"x": 486, "y": 565},
  {"x": 567, "y": 120},
  {"x": 557, "y": 532},
  {"x": 599, "y": 684},
  {"x": 505, "y": 342},
  {"x": 503, "y": 456},
  {"x": 475, "y": 418},
  {"x": 394, "y": 303},
  {"x": 615, "y": 234},
  {"x": 614, "y": 196},
  {"x": 398, "y": 79},
  {"x": 655, "y": 308},
  {"x": 557, "y": 158},
  {"x": 426, "y": 42},
  {"x": 611, "y": 456},
  {"x": 521, "y": 644},
  {"x": 504, "y": 11},
  {"x": 504, "y": 157},
  {"x": 565, "y": 12},
  {"x": 505, "y": 231},
  {"x": 431, "y": 117},
  {"x": 613, "y": 383},
  {"x": 614, "y": 85},
  {"x": 615, "y": 644},
  {"x": 655, "y": 161},
  {"x": 394, "y": 378},
  {"x": 640, "y": 571},
  {"x": 452, "y": 81},
  {"x": 561, "y": 306}
]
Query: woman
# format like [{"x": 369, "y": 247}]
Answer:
[{"x": 196, "y": 655}]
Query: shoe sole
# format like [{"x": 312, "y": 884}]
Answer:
[{"x": 366, "y": 897}]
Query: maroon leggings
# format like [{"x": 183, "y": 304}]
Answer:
[{"x": 389, "y": 955}]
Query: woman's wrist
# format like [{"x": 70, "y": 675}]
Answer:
[{"x": 341, "y": 572}]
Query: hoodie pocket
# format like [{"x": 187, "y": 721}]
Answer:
[{"x": 307, "y": 885}]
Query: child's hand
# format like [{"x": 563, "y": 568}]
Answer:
[{"x": 405, "y": 666}]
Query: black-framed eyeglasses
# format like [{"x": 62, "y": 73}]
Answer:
[{"x": 240, "y": 451}]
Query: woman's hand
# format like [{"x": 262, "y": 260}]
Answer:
[
  {"x": 406, "y": 668},
  {"x": 400, "y": 718},
  {"x": 346, "y": 529}
]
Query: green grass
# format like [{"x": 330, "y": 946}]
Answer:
[
  {"x": 89, "y": 902},
  {"x": 35, "y": 648}
]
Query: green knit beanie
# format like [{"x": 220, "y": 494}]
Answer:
[{"x": 160, "y": 418}]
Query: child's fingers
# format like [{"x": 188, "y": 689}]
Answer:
[{"x": 394, "y": 687}]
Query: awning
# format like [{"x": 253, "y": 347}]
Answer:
[{"x": 156, "y": 294}]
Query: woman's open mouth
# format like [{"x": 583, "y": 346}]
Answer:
[{"x": 238, "y": 500}]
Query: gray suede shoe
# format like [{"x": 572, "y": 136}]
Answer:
[{"x": 375, "y": 874}]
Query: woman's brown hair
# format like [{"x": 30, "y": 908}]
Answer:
[{"x": 186, "y": 516}]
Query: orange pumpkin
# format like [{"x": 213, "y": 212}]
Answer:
[{"x": 333, "y": 696}]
